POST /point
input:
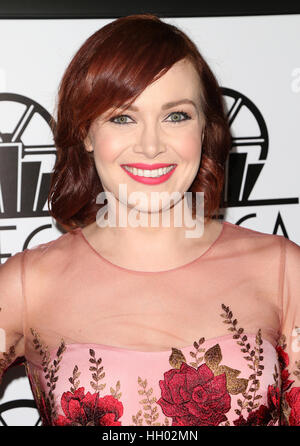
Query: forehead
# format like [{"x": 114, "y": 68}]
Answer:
[{"x": 181, "y": 79}]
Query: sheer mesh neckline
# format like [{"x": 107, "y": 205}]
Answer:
[
  {"x": 128, "y": 270},
  {"x": 112, "y": 348}
]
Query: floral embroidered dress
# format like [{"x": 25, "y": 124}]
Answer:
[{"x": 219, "y": 334}]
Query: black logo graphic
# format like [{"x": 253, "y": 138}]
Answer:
[
  {"x": 16, "y": 404},
  {"x": 25, "y": 162},
  {"x": 248, "y": 153}
]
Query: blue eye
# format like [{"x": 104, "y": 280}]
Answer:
[
  {"x": 122, "y": 118},
  {"x": 178, "y": 113},
  {"x": 118, "y": 117}
]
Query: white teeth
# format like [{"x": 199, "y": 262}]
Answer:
[{"x": 154, "y": 173}]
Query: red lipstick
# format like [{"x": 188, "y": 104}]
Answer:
[
  {"x": 149, "y": 180},
  {"x": 147, "y": 166}
]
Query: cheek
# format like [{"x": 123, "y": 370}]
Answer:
[
  {"x": 107, "y": 148},
  {"x": 189, "y": 147}
]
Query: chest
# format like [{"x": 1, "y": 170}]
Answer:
[{"x": 148, "y": 313}]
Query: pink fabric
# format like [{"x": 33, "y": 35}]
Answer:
[{"x": 208, "y": 343}]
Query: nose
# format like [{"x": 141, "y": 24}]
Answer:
[{"x": 150, "y": 140}]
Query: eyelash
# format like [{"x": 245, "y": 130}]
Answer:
[{"x": 186, "y": 116}]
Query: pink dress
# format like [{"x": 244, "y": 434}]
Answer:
[{"x": 222, "y": 345}]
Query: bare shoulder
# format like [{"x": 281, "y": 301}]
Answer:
[{"x": 40, "y": 258}]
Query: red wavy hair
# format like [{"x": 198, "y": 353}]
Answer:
[{"x": 114, "y": 66}]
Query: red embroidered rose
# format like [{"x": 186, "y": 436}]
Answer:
[
  {"x": 274, "y": 400},
  {"x": 259, "y": 417},
  {"x": 264, "y": 415},
  {"x": 293, "y": 399},
  {"x": 89, "y": 409},
  {"x": 283, "y": 359},
  {"x": 194, "y": 397}
]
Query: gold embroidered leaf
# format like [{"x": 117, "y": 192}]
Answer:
[
  {"x": 149, "y": 391},
  {"x": 176, "y": 358},
  {"x": 145, "y": 401},
  {"x": 234, "y": 385},
  {"x": 213, "y": 356}
]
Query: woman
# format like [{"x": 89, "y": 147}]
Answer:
[{"x": 142, "y": 323}]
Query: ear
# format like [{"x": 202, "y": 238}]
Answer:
[{"x": 88, "y": 144}]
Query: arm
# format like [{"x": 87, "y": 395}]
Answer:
[
  {"x": 288, "y": 348},
  {"x": 11, "y": 313}
]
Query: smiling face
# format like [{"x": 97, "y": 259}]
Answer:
[{"x": 134, "y": 145}]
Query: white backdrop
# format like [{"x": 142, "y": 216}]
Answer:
[{"x": 257, "y": 62}]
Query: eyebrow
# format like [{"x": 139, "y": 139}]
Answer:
[{"x": 164, "y": 106}]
